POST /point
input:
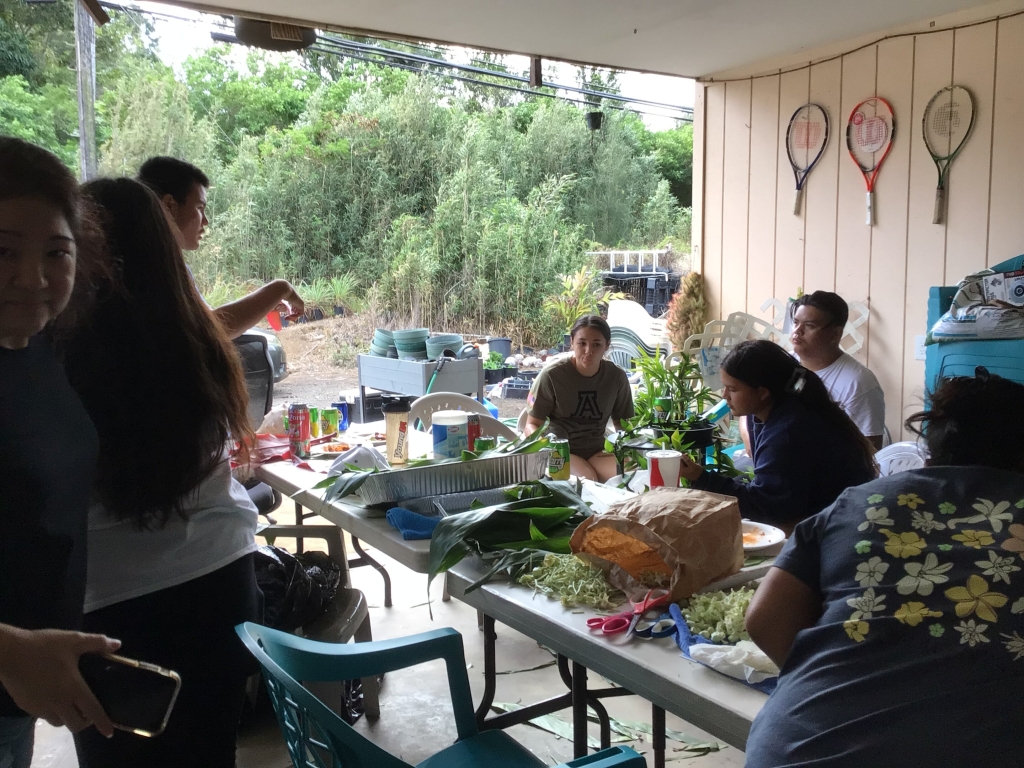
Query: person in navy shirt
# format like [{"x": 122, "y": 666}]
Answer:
[
  {"x": 806, "y": 449},
  {"x": 897, "y": 614}
]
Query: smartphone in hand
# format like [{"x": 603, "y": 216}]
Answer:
[{"x": 138, "y": 697}]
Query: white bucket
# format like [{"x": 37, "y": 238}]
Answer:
[{"x": 451, "y": 434}]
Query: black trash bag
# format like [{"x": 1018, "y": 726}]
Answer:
[{"x": 296, "y": 588}]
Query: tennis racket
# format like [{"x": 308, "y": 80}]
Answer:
[
  {"x": 869, "y": 136},
  {"x": 806, "y": 138},
  {"x": 947, "y": 122}
]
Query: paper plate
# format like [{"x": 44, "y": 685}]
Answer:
[{"x": 758, "y": 536}]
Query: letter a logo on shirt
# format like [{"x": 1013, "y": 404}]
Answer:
[{"x": 586, "y": 406}]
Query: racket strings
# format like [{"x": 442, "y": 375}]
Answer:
[{"x": 947, "y": 124}]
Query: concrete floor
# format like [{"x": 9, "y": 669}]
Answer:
[{"x": 416, "y": 719}]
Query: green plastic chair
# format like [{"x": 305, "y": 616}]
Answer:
[{"x": 318, "y": 738}]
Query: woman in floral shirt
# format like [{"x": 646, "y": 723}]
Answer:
[{"x": 897, "y": 614}]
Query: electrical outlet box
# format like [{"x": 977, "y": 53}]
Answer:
[{"x": 919, "y": 348}]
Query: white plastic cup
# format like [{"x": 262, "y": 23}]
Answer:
[
  {"x": 451, "y": 434},
  {"x": 664, "y": 468}
]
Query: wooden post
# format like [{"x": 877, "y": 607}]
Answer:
[{"x": 85, "y": 47}]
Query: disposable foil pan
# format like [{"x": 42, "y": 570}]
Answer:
[
  {"x": 453, "y": 503},
  {"x": 457, "y": 477}
]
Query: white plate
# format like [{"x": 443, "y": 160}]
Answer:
[{"x": 763, "y": 536}]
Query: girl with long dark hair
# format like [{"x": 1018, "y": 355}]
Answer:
[
  {"x": 172, "y": 533},
  {"x": 806, "y": 450},
  {"x": 47, "y": 453},
  {"x": 579, "y": 395}
]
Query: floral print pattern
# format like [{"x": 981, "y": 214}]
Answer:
[
  {"x": 976, "y": 598},
  {"x": 976, "y": 539},
  {"x": 998, "y": 567},
  {"x": 903, "y": 544},
  {"x": 1016, "y": 541},
  {"x": 971, "y": 634},
  {"x": 867, "y": 604},
  {"x": 919, "y": 532},
  {"x": 995, "y": 514},
  {"x": 875, "y": 516},
  {"x": 871, "y": 573},
  {"x": 911, "y": 500},
  {"x": 913, "y": 614},
  {"x": 921, "y": 578},
  {"x": 1014, "y": 644}
]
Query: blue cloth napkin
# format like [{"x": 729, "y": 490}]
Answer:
[
  {"x": 685, "y": 638},
  {"x": 413, "y": 525}
]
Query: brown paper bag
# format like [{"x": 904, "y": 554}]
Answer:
[{"x": 676, "y": 538}]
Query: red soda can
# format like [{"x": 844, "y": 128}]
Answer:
[
  {"x": 299, "y": 431},
  {"x": 472, "y": 430}
]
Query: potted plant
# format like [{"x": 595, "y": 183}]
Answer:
[
  {"x": 493, "y": 370},
  {"x": 316, "y": 295},
  {"x": 343, "y": 292},
  {"x": 669, "y": 404},
  {"x": 581, "y": 294}
]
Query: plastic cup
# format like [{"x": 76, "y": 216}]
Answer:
[{"x": 664, "y": 468}]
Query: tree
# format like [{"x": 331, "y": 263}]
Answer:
[
  {"x": 15, "y": 53},
  {"x": 26, "y": 115},
  {"x": 674, "y": 152}
]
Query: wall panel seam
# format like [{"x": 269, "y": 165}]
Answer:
[{"x": 991, "y": 147}]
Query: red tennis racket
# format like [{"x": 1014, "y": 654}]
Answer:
[{"x": 869, "y": 136}]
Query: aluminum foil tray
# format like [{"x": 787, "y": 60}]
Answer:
[
  {"x": 458, "y": 477},
  {"x": 453, "y": 503}
]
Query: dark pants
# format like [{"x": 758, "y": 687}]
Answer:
[{"x": 188, "y": 628}]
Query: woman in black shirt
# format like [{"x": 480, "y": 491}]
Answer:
[{"x": 47, "y": 457}]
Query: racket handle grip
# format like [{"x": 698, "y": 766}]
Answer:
[
  {"x": 871, "y": 209},
  {"x": 799, "y": 199},
  {"x": 940, "y": 205}
]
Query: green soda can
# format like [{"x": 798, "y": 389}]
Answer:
[
  {"x": 485, "y": 443},
  {"x": 329, "y": 421},
  {"x": 558, "y": 463},
  {"x": 662, "y": 408},
  {"x": 314, "y": 422}
]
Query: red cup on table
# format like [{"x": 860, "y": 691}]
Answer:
[{"x": 664, "y": 468}]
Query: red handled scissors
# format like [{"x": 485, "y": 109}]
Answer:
[{"x": 627, "y": 621}]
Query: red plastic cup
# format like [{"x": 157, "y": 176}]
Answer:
[{"x": 274, "y": 318}]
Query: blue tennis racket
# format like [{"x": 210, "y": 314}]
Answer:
[{"x": 806, "y": 138}]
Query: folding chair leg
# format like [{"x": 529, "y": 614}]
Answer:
[{"x": 371, "y": 685}]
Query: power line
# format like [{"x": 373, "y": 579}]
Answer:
[{"x": 351, "y": 47}]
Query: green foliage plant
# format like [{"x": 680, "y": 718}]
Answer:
[
  {"x": 494, "y": 361},
  {"x": 678, "y": 378},
  {"x": 581, "y": 294}
]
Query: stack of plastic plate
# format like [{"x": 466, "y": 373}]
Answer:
[
  {"x": 381, "y": 343},
  {"x": 443, "y": 342},
  {"x": 411, "y": 343}
]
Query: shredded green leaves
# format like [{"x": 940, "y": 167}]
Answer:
[
  {"x": 719, "y": 616},
  {"x": 573, "y": 581},
  {"x": 536, "y": 522}
]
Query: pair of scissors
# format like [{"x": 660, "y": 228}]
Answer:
[{"x": 627, "y": 621}]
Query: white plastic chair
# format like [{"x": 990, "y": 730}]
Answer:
[
  {"x": 424, "y": 408},
  {"x": 899, "y": 457}
]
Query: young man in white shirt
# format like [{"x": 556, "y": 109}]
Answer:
[
  {"x": 818, "y": 322},
  {"x": 181, "y": 188}
]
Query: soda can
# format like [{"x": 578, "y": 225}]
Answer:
[
  {"x": 328, "y": 421},
  {"x": 343, "y": 421},
  {"x": 472, "y": 429},
  {"x": 314, "y": 422},
  {"x": 558, "y": 463},
  {"x": 662, "y": 408},
  {"x": 298, "y": 431},
  {"x": 485, "y": 443}
]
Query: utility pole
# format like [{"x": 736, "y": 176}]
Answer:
[{"x": 87, "y": 14}]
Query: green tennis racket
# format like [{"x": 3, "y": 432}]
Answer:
[{"x": 947, "y": 122}]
